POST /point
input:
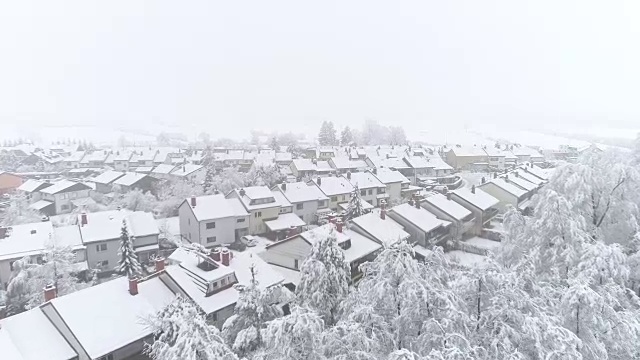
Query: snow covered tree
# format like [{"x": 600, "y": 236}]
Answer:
[
  {"x": 128, "y": 265},
  {"x": 207, "y": 185},
  {"x": 264, "y": 176},
  {"x": 294, "y": 336},
  {"x": 324, "y": 277},
  {"x": 18, "y": 212},
  {"x": 346, "y": 138},
  {"x": 254, "y": 308},
  {"x": 181, "y": 332},
  {"x": 355, "y": 208},
  {"x": 397, "y": 136},
  {"x": 18, "y": 290},
  {"x": 327, "y": 134},
  {"x": 274, "y": 144},
  {"x": 348, "y": 340}
]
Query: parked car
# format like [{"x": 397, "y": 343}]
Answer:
[{"x": 249, "y": 240}]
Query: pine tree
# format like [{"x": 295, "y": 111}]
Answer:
[
  {"x": 128, "y": 264},
  {"x": 207, "y": 185},
  {"x": 324, "y": 277},
  {"x": 346, "y": 138},
  {"x": 327, "y": 134},
  {"x": 274, "y": 144},
  {"x": 354, "y": 209}
]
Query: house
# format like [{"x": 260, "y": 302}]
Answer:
[
  {"x": 440, "y": 167},
  {"x": 394, "y": 181},
  {"x": 104, "y": 181},
  {"x": 288, "y": 255},
  {"x": 100, "y": 232},
  {"x": 302, "y": 168},
  {"x": 424, "y": 228},
  {"x": 306, "y": 199},
  {"x": 497, "y": 157},
  {"x": 483, "y": 206},
  {"x": 62, "y": 197},
  {"x": 73, "y": 160},
  {"x": 337, "y": 189},
  {"x": 371, "y": 189},
  {"x": 467, "y": 158},
  {"x": 132, "y": 181},
  {"x": 323, "y": 168},
  {"x": 32, "y": 240},
  {"x": 324, "y": 153},
  {"x": 283, "y": 225},
  {"x": 527, "y": 154},
  {"x": 283, "y": 158},
  {"x": 143, "y": 157},
  {"x": 508, "y": 194},
  {"x": 189, "y": 172},
  {"x": 524, "y": 174},
  {"x": 344, "y": 164},
  {"x": 213, "y": 220},
  {"x": 514, "y": 178},
  {"x": 9, "y": 182},
  {"x": 379, "y": 227},
  {"x": 162, "y": 171},
  {"x": 420, "y": 168},
  {"x": 542, "y": 174},
  {"x": 260, "y": 204},
  {"x": 122, "y": 159},
  {"x": 31, "y": 189},
  {"x": 208, "y": 279},
  {"x": 94, "y": 159},
  {"x": 446, "y": 209}
]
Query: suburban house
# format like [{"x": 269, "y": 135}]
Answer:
[
  {"x": 344, "y": 164},
  {"x": 483, "y": 206},
  {"x": 287, "y": 255},
  {"x": 9, "y": 182},
  {"x": 440, "y": 167},
  {"x": 189, "y": 172},
  {"x": 121, "y": 160},
  {"x": 94, "y": 159},
  {"x": 100, "y": 232},
  {"x": 162, "y": 171},
  {"x": 378, "y": 226},
  {"x": 213, "y": 220},
  {"x": 32, "y": 240},
  {"x": 283, "y": 158},
  {"x": 337, "y": 189},
  {"x": 61, "y": 197},
  {"x": 143, "y": 158},
  {"x": 302, "y": 168},
  {"x": 324, "y": 153},
  {"x": 514, "y": 178},
  {"x": 527, "y": 154},
  {"x": 371, "y": 189},
  {"x": 208, "y": 279},
  {"x": 497, "y": 157},
  {"x": 31, "y": 189},
  {"x": 536, "y": 171},
  {"x": 132, "y": 181},
  {"x": 104, "y": 181},
  {"x": 306, "y": 200},
  {"x": 467, "y": 158},
  {"x": 424, "y": 228},
  {"x": 445, "y": 208},
  {"x": 261, "y": 205},
  {"x": 394, "y": 182},
  {"x": 73, "y": 160},
  {"x": 524, "y": 174},
  {"x": 507, "y": 193},
  {"x": 420, "y": 168}
]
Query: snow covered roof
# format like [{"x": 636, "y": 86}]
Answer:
[
  {"x": 32, "y": 185},
  {"x": 331, "y": 186},
  {"x": 283, "y": 156},
  {"x": 387, "y": 176},
  {"x": 144, "y": 155},
  {"x": 129, "y": 179},
  {"x": 323, "y": 167},
  {"x": 122, "y": 155},
  {"x": 385, "y": 231},
  {"x": 163, "y": 169},
  {"x": 75, "y": 156},
  {"x": 284, "y": 221},
  {"x": 106, "y": 317},
  {"x": 106, "y": 225},
  {"x": 530, "y": 177},
  {"x": 31, "y": 336},
  {"x": 255, "y": 197},
  {"x": 421, "y": 218},
  {"x": 438, "y": 163},
  {"x": 187, "y": 275},
  {"x": 25, "y": 239},
  {"x": 536, "y": 171},
  {"x": 98, "y": 155},
  {"x": 417, "y": 162},
  {"x": 447, "y": 206},
  {"x": 394, "y": 163},
  {"x": 40, "y": 204},
  {"x": 291, "y": 276},
  {"x": 304, "y": 165},
  {"x": 480, "y": 199},
  {"x": 510, "y": 188},
  {"x": 365, "y": 180},
  {"x": 211, "y": 207},
  {"x": 107, "y": 177},
  {"x": 186, "y": 169},
  {"x": 281, "y": 199},
  {"x": 365, "y": 205},
  {"x": 298, "y": 192},
  {"x": 520, "y": 182},
  {"x": 347, "y": 163},
  {"x": 62, "y": 186}
]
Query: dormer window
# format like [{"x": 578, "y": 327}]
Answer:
[{"x": 345, "y": 244}]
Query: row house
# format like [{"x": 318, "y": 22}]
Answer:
[
  {"x": 507, "y": 193},
  {"x": 483, "y": 206},
  {"x": 136, "y": 181},
  {"x": 306, "y": 200},
  {"x": 343, "y": 165},
  {"x": 104, "y": 181},
  {"x": 338, "y": 189},
  {"x": 189, "y": 172},
  {"x": 63, "y": 196},
  {"x": 371, "y": 189},
  {"x": 261, "y": 205},
  {"x": 494, "y": 157},
  {"x": 397, "y": 185},
  {"x": 467, "y": 158},
  {"x": 445, "y": 208},
  {"x": 94, "y": 159},
  {"x": 424, "y": 228}
]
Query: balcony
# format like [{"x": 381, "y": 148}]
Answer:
[{"x": 488, "y": 215}]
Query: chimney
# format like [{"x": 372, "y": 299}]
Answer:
[
  {"x": 159, "y": 264},
  {"x": 516, "y": 174},
  {"x": 225, "y": 255},
  {"x": 332, "y": 219},
  {"x": 193, "y": 201},
  {"x": 83, "y": 219},
  {"x": 383, "y": 210},
  {"x": 495, "y": 175},
  {"x": 473, "y": 189},
  {"x": 339, "y": 225},
  {"x": 448, "y": 196},
  {"x": 506, "y": 178},
  {"x": 184, "y": 168},
  {"x": 242, "y": 192},
  {"x": 319, "y": 181},
  {"x": 292, "y": 231},
  {"x": 483, "y": 180},
  {"x": 284, "y": 186},
  {"x": 375, "y": 171},
  {"x": 410, "y": 202},
  {"x": 50, "y": 292},
  {"x": 133, "y": 286},
  {"x": 215, "y": 254},
  {"x": 349, "y": 175}
]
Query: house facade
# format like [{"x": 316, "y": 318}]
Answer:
[{"x": 213, "y": 220}]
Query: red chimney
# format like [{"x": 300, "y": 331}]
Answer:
[
  {"x": 349, "y": 175},
  {"x": 417, "y": 200},
  {"x": 159, "y": 264},
  {"x": 215, "y": 254},
  {"x": 226, "y": 256},
  {"x": 193, "y": 201},
  {"x": 83, "y": 219},
  {"x": 133, "y": 286},
  {"x": 473, "y": 189},
  {"x": 339, "y": 225},
  {"x": 50, "y": 292},
  {"x": 448, "y": 196}
]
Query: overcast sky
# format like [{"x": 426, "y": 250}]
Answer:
[{"x": 228, "y": 66}]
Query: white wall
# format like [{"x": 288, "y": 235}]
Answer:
[
  {"x": 257, "y": 217},
  {"x": 285, "y": 254},
  {"x": 189, "y": 227},
  {"x": 111, "y": 254}
]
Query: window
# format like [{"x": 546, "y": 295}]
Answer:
[
  {"x": 322, "y": 204},
  {"x": 64, "y": 207},
  {"x": 240, "y": 220},
  {"x": 300, "y": 206},
  {"x": 211, "y": 225},
  {"x": 101, "y": 247},
  {"x": 223, "y": 282},
  {"x": 363, "y": 192},
  {"x": 295, "y": 264},
  {"x": 370, "y": 191},
  {"x": 211, "y": 239},
  {"x": 334, "y": 198},
  {"x": 215, "y": 284},
  {"x": 103, "y": 263},
  {"x": 257, "y": 214},
  {"x": 381, "y": 190}
]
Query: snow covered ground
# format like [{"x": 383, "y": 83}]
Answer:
[
  {"x": 466, "y": 259},
  {"x": 483, "y": 243}
]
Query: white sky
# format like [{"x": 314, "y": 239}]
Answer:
[{"x": 229, "y": 66}]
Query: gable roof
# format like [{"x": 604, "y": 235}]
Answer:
[
  {"x": 130, "y": 179},
  {"x": 387, "y": 176},
  {"x": 365, "y": 180},
  {"x": 304, "y": 164},
  {"x": 386, "y": 231},
  {"x": 64, "y": 186},
  {"x": 32, "y": 185},
  {"x": 421, "y": 218},
  {"x": 331, "y": 186},
  {"x": 520, "y": 182},
  {"x": 298, "y": 192},
  {"x": 186, "y": 169},
  {"x": 510, "y": 188},
  {"x": 211, "y": 207},
  {"x": 108, "y": 177},
  {"x": 447, "y": 206},
  {"x": 163, "y": 169},
  {"x": 480, "y": 199},
  {"x": 106, "y": 225}
]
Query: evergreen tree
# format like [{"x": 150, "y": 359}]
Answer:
[
  {"x": 327, "y": 134},
  {"x": 128, "y": 264},
  {"x": 274, "y": 144},
  {"x": 346, "y": 138},
  {"x": 181, "y": 332},
  {"x": 354, "y": 209},
  {"x": 324, "y": 277}
]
